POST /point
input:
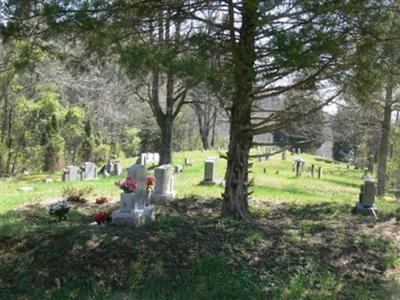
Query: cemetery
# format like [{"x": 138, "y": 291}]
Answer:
[
  {"x": 307, "y": 215},
  {"x": 199, "y": 150}
]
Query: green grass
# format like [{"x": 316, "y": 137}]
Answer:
[{"x": 302, "y": 241}]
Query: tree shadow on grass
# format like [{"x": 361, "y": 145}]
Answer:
[{"x": 190, "y": 252}]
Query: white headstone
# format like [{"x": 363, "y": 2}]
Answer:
[
  {"x": 143, "y": 159},
  {"x": 135, "y": 207},
  {"x": 164, "y": 189}
]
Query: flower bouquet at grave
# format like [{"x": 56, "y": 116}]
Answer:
[
  {"x": 102, "y": 217},
  {"x": 101, "y": 200},
  {"x": 129, "y": 185},
  {"x": 59, "y": 209},
  {"x": 150, "y": 182}
]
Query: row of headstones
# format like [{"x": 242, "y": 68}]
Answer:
[
  {"x": 89, "y": 171},
  {"x": 264, "y": 153},
  {"x": 149, "y": 158},
  {"x": 138, "y": 207},
  {"x": 299, "y": 168}
]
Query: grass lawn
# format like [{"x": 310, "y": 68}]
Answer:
[{"x": 302, "y": 241}]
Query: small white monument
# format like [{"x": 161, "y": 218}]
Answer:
[
  {"x": 135, "y": 206},
  {"x": 164, "y": 189}
]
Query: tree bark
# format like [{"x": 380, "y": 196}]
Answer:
[
  {"x": 384, "y": 144},
  {"x": 236, "y": 194}
]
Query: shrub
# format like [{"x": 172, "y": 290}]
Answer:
[{"x": 75, "y": 194}]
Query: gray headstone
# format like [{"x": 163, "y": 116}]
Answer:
[
  {"x": 90, "y": 171},
  {"x": 209, "y": 170},
  {"x": 71, "y": 173},
  {"x": 117, "y": 169}
]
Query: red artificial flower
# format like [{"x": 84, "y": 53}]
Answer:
[
  {"x": 101, "y": 217},
  {"x": 150, "y": 181},
  {"x": 101, "y": 200}
]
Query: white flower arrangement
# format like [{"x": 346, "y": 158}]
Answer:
[{"x": 59, "y": 209}]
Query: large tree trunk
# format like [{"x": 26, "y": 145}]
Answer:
[
  {"x": 384, "y": 144},
  {"x": 166, "y": 142},
  {"x": 236, "y": 194}
]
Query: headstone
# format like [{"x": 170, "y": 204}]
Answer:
[
  {"x": 298, "y": 150},
  {"x": 135, "y": 207},
  {"x": 299, "y": 166},
  {"x": 117, "y": 169},
  {"x": 90, "y": 171},
  {"x": 367, "y": 197},
  {"x": 209, "y": 171},
  {"x": 164, "y": 188},
  {"x": 312, "y": 170},
  {"x": 143, "y": 159},
  {"x": 187, "y": 162},
  {"x": 71, "y": 173},
  {"x": 319, "y": 172},
  {"x": 284, "y": 155},
  {"x": 48, "y": 180},
  {"x": 178, "y": 169},
  {"x": 25, "y": 188}
]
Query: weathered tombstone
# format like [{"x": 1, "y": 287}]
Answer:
[
  {"x": 298, "y": 168},
  {"x": 209, "y": 171},
  {"x": 117, "y": 168},
  {"x": 298, "y": 150},
  {"x": 143, "y": 159},
  {"x": 71, "y": 173},
  {"x": 90, "y": 171},
  {"x": 319, "y": 172},
  {"x": 284, "y": 155},
  {"x": 164, "y": 188},
  {"x": 187, "y": 162},
  {"x": 312, "y": 170},
  {"x": 135, "y": 207},
  {"x": 367, "y": 197}
]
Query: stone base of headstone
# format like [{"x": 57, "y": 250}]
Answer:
[
  {"x": 136, "y": 217},
  {"x": 370, "y": 210},
  {"x": 214, "y": 182},
  {"x": 159, "y": 198}
]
